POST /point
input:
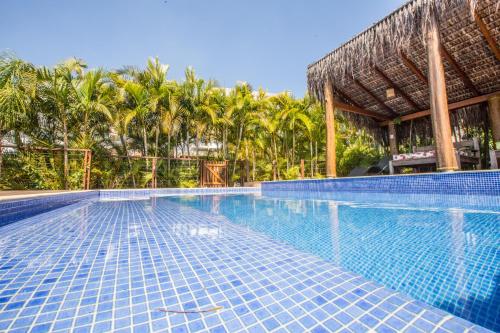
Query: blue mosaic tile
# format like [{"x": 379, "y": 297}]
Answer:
[{"x": 471, "y": 182}]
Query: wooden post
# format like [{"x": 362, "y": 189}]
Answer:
[
  {"x": 446, "y": 159},
  {"x": 85, "y": 169},
  {"x": 153, "y": 173},
  {"x": 88, "y": 168},
  {"x": 494, "y": 115},
  {"x": 392, "y": 139},
  {"x": 331, "y": 168},
  {"x": 201, "y": 166},
  {"x": 87, "y": 159},
  {"x": 302, "y": 169},
  {"x": 226, "y": 165}
]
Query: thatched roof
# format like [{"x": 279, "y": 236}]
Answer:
[{"x": 359, "y": 69}]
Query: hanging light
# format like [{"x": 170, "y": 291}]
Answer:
[{"x": 390, "y": 93}]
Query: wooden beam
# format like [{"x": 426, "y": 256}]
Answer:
[
  {"x": 331, "y": 164},
  {"x": 393, "y": 143},
  {"x": 355, "y": 109},
  {"x": 375, "y": 98},
  {"x": 494, "y": 116},
  {"x": 396, "y": 88},
  {"x": 440, "y": 116},
  {"x": 487, "y": 35},
  {"x": 346, "y": 98},
  {"x": 468, "y": 83},
  {"x": 412, "y": 67},
  {"x": 451, "y": 107}
]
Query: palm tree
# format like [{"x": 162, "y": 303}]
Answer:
[
  {"x": 91, "y": 97},
  {"x": 244, "y": 108},
  {"x": 17, "y": 92},
  {"x": 139, "y": 108},
  {"x": 270, "y": 122},
  {"x": 171, "y": 120},
  {"x": 199, "y": 99},
  {"x": 120, "y": 116},
  {"x": 159, "y": 90},
  {"x": 294, "y": 112},
  {"x": 56, "y": 92}
]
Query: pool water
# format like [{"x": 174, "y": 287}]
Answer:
[
  {"x": 431, "y": 248},
  {"x": 284, "y": 261}
]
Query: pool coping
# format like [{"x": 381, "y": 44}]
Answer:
[{"x": 37, "y": 195}]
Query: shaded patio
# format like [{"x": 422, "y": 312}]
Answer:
[{"x": 426, "y": 78}]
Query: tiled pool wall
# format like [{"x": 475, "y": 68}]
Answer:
[
  {"x": 148, "y": 193},
  {"x": 18, "y": 209},
  {"x": 475, "y": 182}
]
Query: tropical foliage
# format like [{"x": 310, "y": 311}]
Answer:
[{"x": 133, "y": 112}]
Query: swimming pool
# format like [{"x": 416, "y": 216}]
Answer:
[
  {"x": 276, "y": 260},
  {"x": 441, "y": 254}
]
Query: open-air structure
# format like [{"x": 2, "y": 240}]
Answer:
[{"x": 425, "y": 70}]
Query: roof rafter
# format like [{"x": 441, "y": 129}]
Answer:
[
  {"x": 411, "y": 66},
  {"x": 465, "y": 78},
  {"x": 355, "y": 109},
  {"x": 398, "y": 90},
  {"x": 378, "y": 100},
  {"x": 346, "y": 97},
  {"x": 451, "y": 107},
  {"x": 487, "y": 35}
]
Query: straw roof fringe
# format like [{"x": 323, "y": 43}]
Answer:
[{"x": 392, "y": 33}]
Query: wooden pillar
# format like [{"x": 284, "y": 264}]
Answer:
[
  {"x": 446, "y": 159},
  {"x": 85, "y": 158},
  {"x": 201, "y": 172},
  {"x": 153, "y": 173},
  {"x": 331, "y": 168},
  {"x": 393, "y": 144},
  {"x": 89, "y": 162},
  {"x": 494, "y": 115},
  {"x": 226, "y": 178}
]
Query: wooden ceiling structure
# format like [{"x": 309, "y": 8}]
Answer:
[{"x": 385, "y": 75}]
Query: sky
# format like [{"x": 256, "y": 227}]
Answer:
[{"x": 267, "y": 43}]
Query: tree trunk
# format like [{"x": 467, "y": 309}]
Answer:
[
  {"x": 1, "y": 155},
  {"x": 125, "y": 149},
  {"x": 311, "y": 156},
  {"x": 145, "y": 139},
  {"x": 157, "y": 139},
  {"x": 240, "y": 134},
  {"x": 168, "y": 156},
  {"x": 276, "y": 157},
  {"x": 293, "y": 146},
  {"x": 316, "y": 156},
  {"x": 253, "y": 164},
  {"x": 287, "y": 153},
  {"x": 187, "y": 143},
  {"x": 86, "y": 124},
  {"x": 197, "y": 145},
  {"x": 224, "y": 143},
  {"x": 65, "y": 151}
]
